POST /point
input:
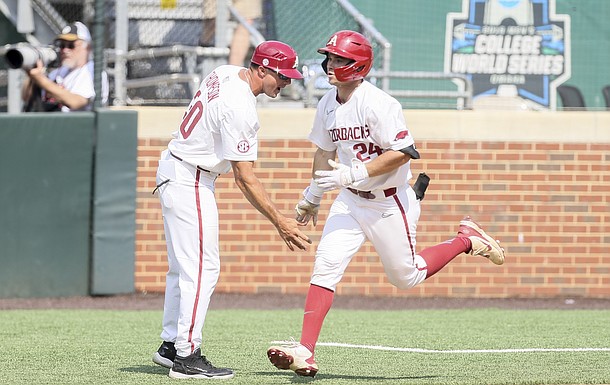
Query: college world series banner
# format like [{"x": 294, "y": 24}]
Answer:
[{"x": 518, "y": 48}]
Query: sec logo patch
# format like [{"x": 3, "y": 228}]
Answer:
[{"x": 243, "y": 146}]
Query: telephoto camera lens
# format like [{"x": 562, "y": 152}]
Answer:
[{"x": 25, "y": 56}]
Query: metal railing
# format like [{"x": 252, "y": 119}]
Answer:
[
  {"x": 192, "y": 76},
  {"x": 463, "y": 94},
  {"x": 199, "y": 61}
]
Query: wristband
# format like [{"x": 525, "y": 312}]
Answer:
[
  {"x": 313, "y": 193},
  {"x": 359, "y": 171}
]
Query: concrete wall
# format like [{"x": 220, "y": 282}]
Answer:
[{"x": 537, "y": 181}]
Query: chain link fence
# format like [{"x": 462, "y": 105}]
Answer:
[
  {"x": 307, "y": 26},
  {"x": 169, "y": 45},
  {"x": 161, "y": 66}
]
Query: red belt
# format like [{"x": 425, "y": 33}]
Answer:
[{"x": 369, "y": 195}]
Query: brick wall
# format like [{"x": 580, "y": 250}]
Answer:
[{"x": 547, "y": 202}]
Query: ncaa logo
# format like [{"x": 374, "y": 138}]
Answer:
[
  {"x": 243, "y": 146},
  {"x": 516, "y": 48}
]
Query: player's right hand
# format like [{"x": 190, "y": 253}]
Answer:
[
  {"x": 306, "y": 211},
  {"x": 341, "y": 175}
]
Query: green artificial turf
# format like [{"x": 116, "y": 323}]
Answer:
[{"x": 469, "y": 346}]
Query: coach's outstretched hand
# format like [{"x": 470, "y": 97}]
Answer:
[{"x": 288, "y": 229}]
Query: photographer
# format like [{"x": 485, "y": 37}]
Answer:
[{"x": 69, "y": 87}]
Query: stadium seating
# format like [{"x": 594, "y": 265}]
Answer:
[
  {"x": 606, "y": 92},
  {"x": 571, "y": 98}
]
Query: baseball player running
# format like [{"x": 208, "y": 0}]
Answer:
[
  {"x": 365, "y": 129},
  {"x": 218, "y": 133}
]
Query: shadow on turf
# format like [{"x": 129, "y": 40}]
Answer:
[
  {"x": 299, "y": 379},
  {"x": 148, "y": 369},
  {"x": 153, "y": 369}
]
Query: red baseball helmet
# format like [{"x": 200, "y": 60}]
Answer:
[
  {"x": 354, "y": 46},
  {"x": 279, "y": 57}
]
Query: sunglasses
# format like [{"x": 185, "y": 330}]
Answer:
[
  {"x": 65, "y": 44},
  {"x": 280, "y": 76}
]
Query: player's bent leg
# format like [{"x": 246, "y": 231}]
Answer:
[
  {"x": 409, "y": 275},
  {"x": 294, "y": 356},
  {"x": 482, "y": 244},
  {"x": 438, "y": 256}
]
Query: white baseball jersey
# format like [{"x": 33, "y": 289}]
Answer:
[
  {"x": 368, "y": 124},
  {"x": 79, "y": 81},
  {"x": 365, "y": 126},
  {"x": 220, "y": 125}
]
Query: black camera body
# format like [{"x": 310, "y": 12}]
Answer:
[{"x": 25, "y": 56}]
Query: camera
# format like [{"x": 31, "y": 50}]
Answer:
[{"x": 24, "y": 55}]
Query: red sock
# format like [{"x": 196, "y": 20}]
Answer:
[
  {"x": 438, "y": 256},
  {"x": 318, "y": 303}
]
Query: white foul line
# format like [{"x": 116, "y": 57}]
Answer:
[{"x": 416, "y": 350}]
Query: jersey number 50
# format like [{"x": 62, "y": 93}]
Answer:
[{"x": 192, "y": 116}]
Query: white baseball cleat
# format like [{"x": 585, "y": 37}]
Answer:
[
  {"x": 294, "y": 356},
  {"x": 482, "y": 244}
]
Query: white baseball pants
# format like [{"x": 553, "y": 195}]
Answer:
[
  {"x": 390, "y": 224},
  {"x": 190, "y": 219}
]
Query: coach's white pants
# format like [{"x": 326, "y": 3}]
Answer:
[
  {"x": 390, "y": 224},
  {"x": 190, "y": 219}
]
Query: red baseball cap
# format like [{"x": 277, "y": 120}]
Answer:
[{"x": 279, "y": 57}]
